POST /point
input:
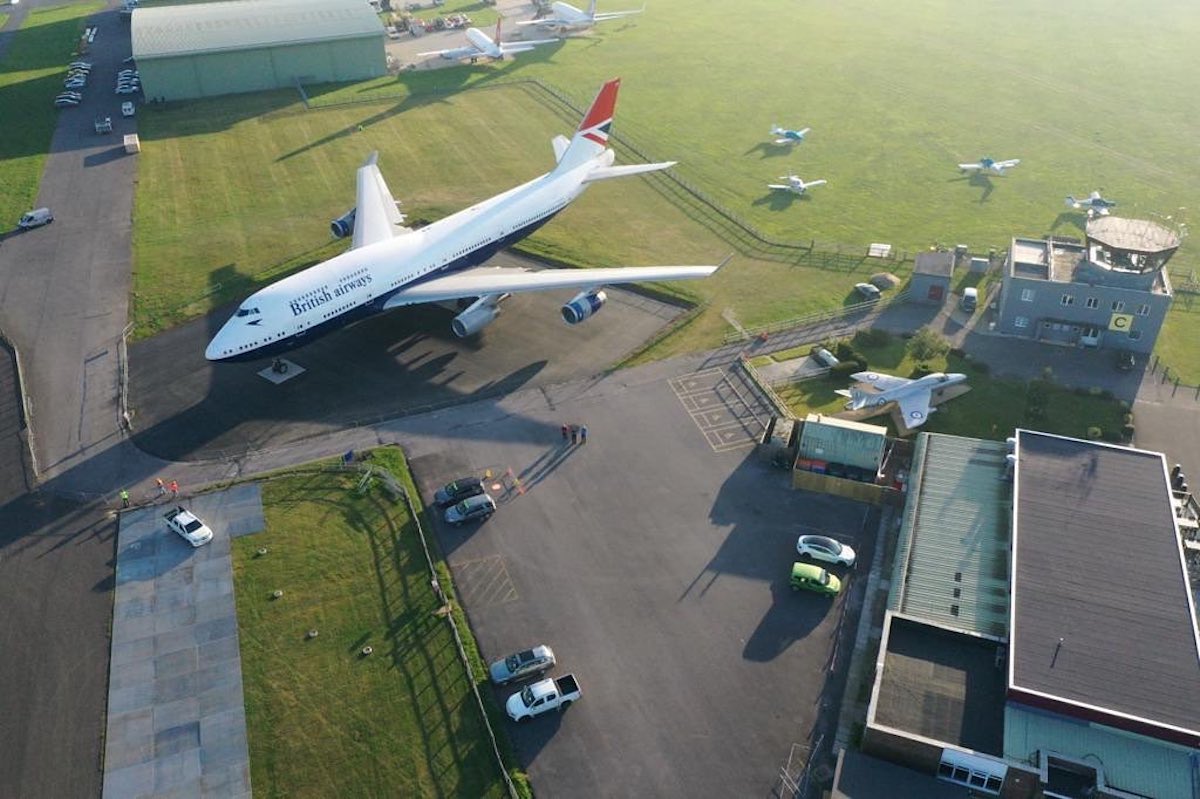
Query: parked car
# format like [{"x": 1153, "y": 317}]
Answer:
[
  {"x": 127, "y": 109},
  {"x": 970, "y": 299},
  {"x": 824, "y": 356},
  {"x": 456, "y": 491},
  {"x": 126, "y": 90},
  {"x": 35, "y": 218},
  {"x": 79, "y": 65},
  {"x": 824, "y": 548},
  {"x": 185, "y": 523},
  {"x": 472, "y": 509},
  {"x": 541, "y": 697},
  {"x": 1125, "y": 361},
  {"x": 66, "y": 102},
  {"x": 810, "y": 577},
  {"x": 74, "y": 95},
  {"x": 74, "y": 83},
  {"x": 538, "y": 660},
  {"x": 867, "y": 291}
]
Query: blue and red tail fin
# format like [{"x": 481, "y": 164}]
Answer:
[{"x": 591, "y": 137}]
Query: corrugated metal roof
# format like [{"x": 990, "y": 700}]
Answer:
[
  {"x": 246, "y": 24},
  {"x": 952, "y": 554},
  {"x": 841, "y": 441},
  {"x": 1133, "y": 763},
  {"x": 1102, "y": 613}
]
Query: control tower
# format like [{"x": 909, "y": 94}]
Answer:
[{"x": 1128, "y": 252}]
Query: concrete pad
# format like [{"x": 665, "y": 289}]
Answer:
[
  {"x": 277, "y": 377},
  {"x": 176, "y": 714}
]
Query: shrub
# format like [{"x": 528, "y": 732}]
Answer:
[
  {"x": 1127, "y": 432},
  {"x": 980, "y": 366},
  {"x": 1127, "y": 419},
  {"x": 958, "y": 352},
  {"x": 920, "y": 370},
  {"x": 1094, "y": 433},
  {"x": 846, "y": 368},
  {"x": 927, "y": 344},
  {"x": 872, "y": 338},
  {"x": 844, "y": 351}
]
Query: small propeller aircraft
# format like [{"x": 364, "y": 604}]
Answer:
[
  {"x": 788, "y": 136},
  {"x": 986, "y": 164},
  {"x": 1093, "y": 203},
  {"x": 795, "y": 184}
]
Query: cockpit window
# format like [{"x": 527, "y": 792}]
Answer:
[{"x": 246, "y": 311}]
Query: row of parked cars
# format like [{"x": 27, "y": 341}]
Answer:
[
  {"x": 814, "y": 549},
  {"x": 78, "y": 73},
  {"x": 465, "y": 500}
]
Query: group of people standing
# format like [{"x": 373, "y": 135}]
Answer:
[{"x": 575, "y": 433}]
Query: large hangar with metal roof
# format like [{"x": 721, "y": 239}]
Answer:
[{"x": 210, "y": 49}]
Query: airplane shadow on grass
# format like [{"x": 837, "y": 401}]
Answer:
[
  {"x": 980, "y": 181},
  {"x": 425, "y": 90},
  {"x": 1074, "y": 218},
  {"x": 769, "y": 149},
  {"x": 777, "y": 200}
]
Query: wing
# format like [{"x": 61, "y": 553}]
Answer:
[
  {"x": 914, "y": 408},
  {"x": 812, "y": 183},
  {"x": 880, "y": 382},
  {"x": 970, "y": 166},
  {"x": 499, "y": 280},
  {"x": 1009, "y": 164},
  {"x": 376, "y": 217},
  {"x": 779, "y": 186},
  {"x": 785, "y": 141},
  {"x": 523, "y": 47}
]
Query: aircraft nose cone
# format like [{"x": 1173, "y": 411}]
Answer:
[{"x": 215, "y": 347}]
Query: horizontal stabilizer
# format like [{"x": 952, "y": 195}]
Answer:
[
  {"x": 843, "y": 392},
  {"x": 606, "y": 172},
  {"x": 560, "y": 144}
]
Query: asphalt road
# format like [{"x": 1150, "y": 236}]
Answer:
[
  {"x": 64, "y": 287},
  {"x": 63, "y": 292},
  {"x": 656, "y": 568},
  {"x": 56, "y": 584},
  {"x": 398, "y": 363}
]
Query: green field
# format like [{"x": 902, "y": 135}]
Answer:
[
  {"x": 992, "y": 409},
  {"x": 30, "y": 76},
  {"x": 324, "y": 720},
  {"x": 896, "y": 94}
]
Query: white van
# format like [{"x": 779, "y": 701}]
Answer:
[
  {"x": 36, "y": 218},
  {"x": 970, "y": 299}
]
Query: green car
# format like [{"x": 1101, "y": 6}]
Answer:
[{"x": 811, "y": 577}]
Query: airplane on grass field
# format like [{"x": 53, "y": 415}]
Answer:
[
  {"x": 990, "y": 165},
  {"x": 389, "y": 266},
  {"x": 914, "y": 397},
  {"x": 566, "y": 17},
  {"x": 1094, "y": 204},
  {"x": 795, "y": 184},
  {"x": 787, "y": 136},
  {"x": 483, "y": 46}
]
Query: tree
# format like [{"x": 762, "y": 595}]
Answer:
[{"x": 927, "y": 344}]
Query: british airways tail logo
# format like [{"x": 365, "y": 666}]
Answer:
[{"x": 599, "y": 133}]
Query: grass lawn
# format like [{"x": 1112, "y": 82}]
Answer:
[
  {"x": 893, "y": 104},
  {"x": 322, "y": 719},
  {"x": 992, "y": 409},
  {"x": 30, "y": 76}
]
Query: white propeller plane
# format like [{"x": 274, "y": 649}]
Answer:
[
  {"x": 565, "y": 17},
  {"x": 389, "y": 266},
  {"x": 990, "y": 165},
  {"x": 788, "y": 136},
  {"x": 480, "y": 45},
  {"x": 1093, "y": 203},
  {"x": 795, "y": 184}
]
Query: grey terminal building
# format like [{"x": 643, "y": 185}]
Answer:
[{"x": 1111, "y": 291}]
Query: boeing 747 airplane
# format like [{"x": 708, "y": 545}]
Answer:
[{"x": 389, "y": 266}]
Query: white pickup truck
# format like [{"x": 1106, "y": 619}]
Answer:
[{"x": 539, "y": 697}]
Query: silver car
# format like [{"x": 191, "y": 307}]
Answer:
[
  {"x": 471, "y": 509},
  {"x": 826, "y": 549},
  {"x": 538, "y": 660}
]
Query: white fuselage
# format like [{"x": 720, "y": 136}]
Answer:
[{"x": 359, "y": 282}]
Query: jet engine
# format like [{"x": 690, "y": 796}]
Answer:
[
  {"x": 583, "y": 305},
  {"x": 479, "y": 315},
  {"x": 343, "y": 226}
]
